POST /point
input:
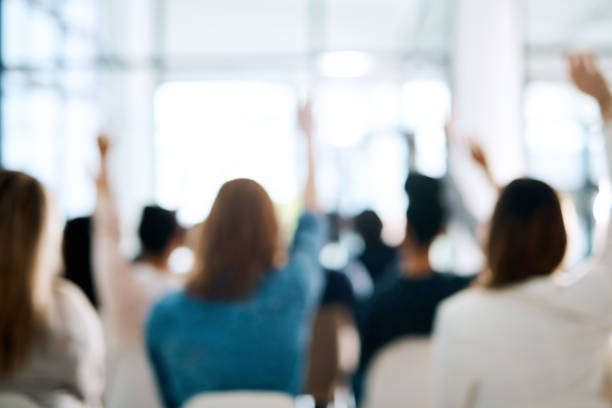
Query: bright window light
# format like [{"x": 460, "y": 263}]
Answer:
[
  {"x": 559, "y": 123},
  {"x": 211, "y": 132},
  {"x": 425, "y": 109},
  {"x": 344, "y": 64}
]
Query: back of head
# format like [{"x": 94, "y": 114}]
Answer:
[
  {"x": 157, "y": 228},
  {"x": 239, "y": 242},
  {"x": 527, "y": 236},
  {"x": 369, "y": 226},
  {"x": 76, "y": 249},
  {"x": 23, "y": 213},
  {"x": 426, "y": 214}
]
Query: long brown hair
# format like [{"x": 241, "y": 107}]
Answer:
[
  {"x": 23, "y": 213},
  {"x": 527, "y": 236},
  {"x": 239, "y": 242}
]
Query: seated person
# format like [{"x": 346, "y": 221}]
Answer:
[
  {"x": 244, "y": 320},
  {"x": 531, "y": 334},
  {"x": 376, "y": 255},
  {"x": 127, "y": 289},
  {"x": 405, "y": 304},
  {"x": 52, "y": 342}
]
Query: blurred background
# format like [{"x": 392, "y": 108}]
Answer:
[{"x": 196, "y": 92}]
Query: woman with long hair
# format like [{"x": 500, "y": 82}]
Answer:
[
  {"x": 528, "y": 336},
  {"x": 243, "y": 321},
  {"x": 52, "y": 347}
]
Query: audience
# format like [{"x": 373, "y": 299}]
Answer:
[
  {"x": 128, "y": 289},
  {"x": 243, "y": 321},
  {"x": 529, "y": 336},
  {"x": 52, "y": 342},
  {"x": 376, "y": 255},
  {"x": 254, "y": 315},
  {"x": 76, "y": 249},
  {"x": 405, "y": 303}
]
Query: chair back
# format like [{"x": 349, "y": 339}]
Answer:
[
  {"x": 334, "y": 352},
  {"x": 241, "y": 400},
  {"x": 16, "y": 401},
  {"x": 401, "y": 375}
]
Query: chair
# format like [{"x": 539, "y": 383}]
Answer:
[
  {"x": 401, "y": 375},
  {"x": 243, "y": 399},
  {"x": 334, "y": 353},
  {"x": 16, "y": 401}
]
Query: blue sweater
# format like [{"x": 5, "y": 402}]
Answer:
[{"x": 260, "y": 343}]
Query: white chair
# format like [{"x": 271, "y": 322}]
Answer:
[
  {"x": 241, "y": 400},
  {"x": 11, "y": 400},
  {"x": 401, "y": 375}
]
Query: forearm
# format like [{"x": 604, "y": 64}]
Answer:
[{"x": 311, "y": 201}]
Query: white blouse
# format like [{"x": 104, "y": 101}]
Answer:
[
  {"x": 543, "y": 343},
  {"x": 66, "y": 365}
]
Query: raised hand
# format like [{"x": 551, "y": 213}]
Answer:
[
  {"x": 478, "y": 155},
  {"x": 587, "y": 77},
  {"x": 305, "y": 119},
  {"x": 103, "y": 145},
  {"x": 103, "y": 148}
]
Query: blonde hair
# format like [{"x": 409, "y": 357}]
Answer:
[{"x": 23, "y": 220}]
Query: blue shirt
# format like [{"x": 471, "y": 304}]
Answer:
[{"x": 260, "y": 343}]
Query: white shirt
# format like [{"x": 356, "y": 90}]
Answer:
[
  {"x": 543, "y": 343},
  {"x": 66, "y": 364}
]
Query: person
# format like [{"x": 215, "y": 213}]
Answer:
[
  {"x": 52, "y": 349},
  {"x": 243, "y": 321},
  {"x": 127, "y": 289},
  {"x": 527, "y": 336},
  {"x": 376, "y": 255},
  {"x": 405, "y": 304},
  {"x": 76, "y": 248}
]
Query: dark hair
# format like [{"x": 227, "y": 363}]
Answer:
[
  {"x": 426, "y": 214},
  {"x": 527, "y": 236},
  {"x": 369, "y": 226},
  {"x": 157, "y": 228},
  {"x": 76, "y": 249},
  {"x": 238, "y": 244}
]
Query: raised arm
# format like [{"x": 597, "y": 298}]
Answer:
[
  {"x": 110, "y": 266},
  {"x": 588, "y": 78},
  {"x": 311, "y": 200},
  {"x": 308, "y": 238}
]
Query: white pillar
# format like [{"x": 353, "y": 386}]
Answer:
[
  {"x": 127, "y": 104},
  {"x": 488, "y": 80}
]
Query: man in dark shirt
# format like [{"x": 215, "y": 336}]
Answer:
[
  {"x": 376, "y": 256},
  {"x": 406, "y": 303}
]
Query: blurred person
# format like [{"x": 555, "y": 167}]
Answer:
[
  {"x": 76, "y": 249},
  {"x": 244, "y": 320},
  {"x": 527, "y": 336},
  {"x": 334, "y": 346},
  {"x": 52, "y": 342},
  {"x": 376, "y": 255},
  {"x": 405, "y": 304},
  {"x": 127, "y": 289}
]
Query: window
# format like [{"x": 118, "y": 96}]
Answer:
[
  {"x": 565, "y": 148},
  {"x": 210, "y": 132}
]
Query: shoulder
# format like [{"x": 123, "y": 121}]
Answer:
[
  {"x": 308, "y": 218},
  {"x": 74, "y": 317},
  {"x": 69, "y": 299},
  {"x": 459, "y": 307},
  {"x": 167, "y": 307}
]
